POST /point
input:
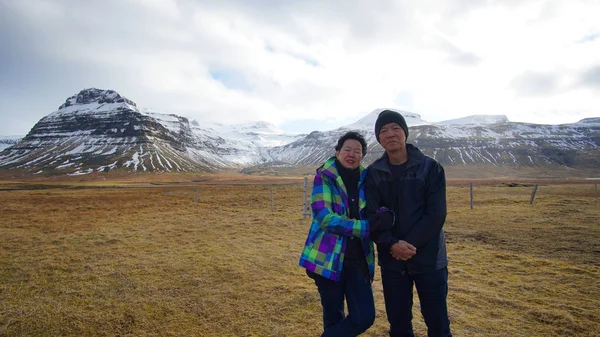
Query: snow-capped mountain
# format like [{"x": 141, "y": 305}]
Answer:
[
  {"x": 512, "y": 144},
  {"x": 318, "y": 145},
  {"x": 260, "y": 134},
  {"x": 368, "y": 122},
  {"x": 473, "y": 140},
  {"x": 574, "y": 145},
  {"x": 100, "y": 130},
  {"x": 7, "y": 141}
]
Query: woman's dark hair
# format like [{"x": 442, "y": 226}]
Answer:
[{"x": 352, "y": 135}]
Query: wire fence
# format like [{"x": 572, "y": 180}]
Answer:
[
  {"x": 530, "y": 193},
  {"x": 295, "y": 198}
]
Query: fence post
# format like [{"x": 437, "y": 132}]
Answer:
[
  {"x": 471, "y": 193},
  {"x": 304, "y": 208},
  {"x": 272, "y": 206},
  {"x": 533, "y": 194}
]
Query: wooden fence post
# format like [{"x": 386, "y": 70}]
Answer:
[
  {"x": 304, "y": 207},
  {"x": 471, "y": 193},
  {"x": 533, "y": 194}
]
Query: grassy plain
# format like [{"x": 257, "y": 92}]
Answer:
[{"x": 90, "y": 259}]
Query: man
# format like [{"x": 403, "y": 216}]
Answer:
[{"x": 413, "y": 251}]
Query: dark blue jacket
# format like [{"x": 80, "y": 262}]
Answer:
[{"x": 419, "y": 201}]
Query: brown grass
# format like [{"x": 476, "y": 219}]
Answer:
[{"x": 150, "y": 261}]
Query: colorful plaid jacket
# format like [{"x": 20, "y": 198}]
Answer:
[{"x": 324, "y": 249}]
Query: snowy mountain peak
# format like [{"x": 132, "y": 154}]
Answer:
[
  {"x": 93, "y": 95},
  {"x": 261, "y": 126},
  {"x": 368, "y": 122},
  {"x": 476, "y": 119},
  {"x": 251, "y": 135}
]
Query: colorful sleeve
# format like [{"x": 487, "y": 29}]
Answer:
[{"x": 321, "y": 201}]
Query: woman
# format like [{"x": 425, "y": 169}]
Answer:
[{"x": 338, "y": 254}]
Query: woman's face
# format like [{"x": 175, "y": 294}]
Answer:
[{"x": 350, "y": 155}]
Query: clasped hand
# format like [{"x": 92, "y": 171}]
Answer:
[
  {"x": 384, "y": 221},
  {"x": 403, "y": 250}
]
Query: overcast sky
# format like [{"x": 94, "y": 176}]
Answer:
[{"x": 304, "y": 65}]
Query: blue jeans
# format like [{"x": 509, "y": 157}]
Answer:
[
  {"x": 355, "y": 286},
  {"x": 432, "y": 288}
]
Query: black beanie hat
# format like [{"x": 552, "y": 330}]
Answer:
[{"x": 389, "y": 116}]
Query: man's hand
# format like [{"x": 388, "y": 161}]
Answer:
[{"x": 403, "y": 250}]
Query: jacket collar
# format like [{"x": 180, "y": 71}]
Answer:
[
  {"x": 329, "y": 168},
  {"x": 415, "y": 158}
]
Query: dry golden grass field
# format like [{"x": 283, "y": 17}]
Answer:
[{"x": 91, "y": 259}]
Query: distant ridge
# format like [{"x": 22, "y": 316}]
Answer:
[{"x": 7, "y": 141}]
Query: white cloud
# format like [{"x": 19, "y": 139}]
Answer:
[{"x": 232, "y": 61}]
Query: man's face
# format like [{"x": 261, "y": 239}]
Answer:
[
  {"x": 392, "y": 137},
  {"x": 350, "y": 155}
]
